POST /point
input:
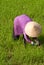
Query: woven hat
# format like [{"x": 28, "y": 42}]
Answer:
[{"x": 32, "y": 29}]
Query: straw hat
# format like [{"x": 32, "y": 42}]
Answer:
[{"x": 32, "y": 29}]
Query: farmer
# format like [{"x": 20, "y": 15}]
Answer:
[{"x": 30, "y": 29}]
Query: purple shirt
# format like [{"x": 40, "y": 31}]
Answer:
[{"x": 19, "y": 25}]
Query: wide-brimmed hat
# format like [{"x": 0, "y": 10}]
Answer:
[{"x": 32, "y": 29}]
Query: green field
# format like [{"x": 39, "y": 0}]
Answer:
[{"x": 13, "y": 52}]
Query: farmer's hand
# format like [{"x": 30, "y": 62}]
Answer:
[
  {"x": 37, "y": 43},
  {"x": 32, "y": 42}
]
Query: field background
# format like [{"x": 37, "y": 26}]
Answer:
[{"x": 13, "y": 52}]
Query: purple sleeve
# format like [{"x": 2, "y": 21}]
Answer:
[{"x": 28, "y": 40}]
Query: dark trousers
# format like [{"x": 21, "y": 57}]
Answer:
[{"x": 16, "y": 37}]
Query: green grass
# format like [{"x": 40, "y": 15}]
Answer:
[{"x": 13, "y": 52}]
